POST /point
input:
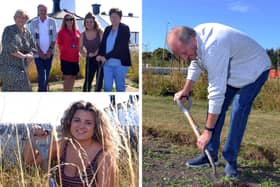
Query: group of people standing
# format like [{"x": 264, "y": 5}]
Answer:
[{"x": 107, "y": 54}]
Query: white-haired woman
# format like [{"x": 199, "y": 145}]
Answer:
[{"x": 17, "y": 47}]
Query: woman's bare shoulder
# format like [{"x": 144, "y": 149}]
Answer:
[{"x": 58, "y": 145}]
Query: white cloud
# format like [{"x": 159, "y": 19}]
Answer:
[{"x": 238, "y": 6}]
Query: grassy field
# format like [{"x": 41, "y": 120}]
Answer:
[{"x": 168, "y": 142}]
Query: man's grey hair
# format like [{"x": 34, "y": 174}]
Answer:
[
  {"x": 184, "y": 34},
  {"x": 42, "y": 5}
]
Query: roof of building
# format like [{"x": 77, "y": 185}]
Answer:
[
  {"x": 132, "y": 21},
  {"x": 104, "y": 20},
  {"x": 62, "y": 13}
]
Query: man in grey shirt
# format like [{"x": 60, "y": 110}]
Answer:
[{"x": 237, "y": 68}]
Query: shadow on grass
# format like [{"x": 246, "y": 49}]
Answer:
[{"x": 259, "y": 174}]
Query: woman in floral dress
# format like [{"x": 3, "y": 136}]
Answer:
[{"x": 17, "y": 47}]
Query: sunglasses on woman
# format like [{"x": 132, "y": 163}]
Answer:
[{"x": 69, "y": 19}]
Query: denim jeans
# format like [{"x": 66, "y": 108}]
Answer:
[
  {"x": 242, "y": 100},
  {"x": 43, "y": 71},
  {"x": 114, "y": 70},
  {"x": 92, "y": 67}
]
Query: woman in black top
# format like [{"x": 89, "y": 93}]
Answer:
[{"x": 114, "y": 52}]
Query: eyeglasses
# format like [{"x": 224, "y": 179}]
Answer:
[{"x": 69, "y": 19}]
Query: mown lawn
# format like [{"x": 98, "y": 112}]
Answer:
[{"x": 168, "y": 142}]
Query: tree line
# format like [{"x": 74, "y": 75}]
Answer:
[{"x": 163, "y": 57}]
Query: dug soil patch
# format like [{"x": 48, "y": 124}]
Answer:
[{"x": 164, "y": 165}]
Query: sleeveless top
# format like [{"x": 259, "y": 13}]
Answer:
[
  {"x": 91, "y": 45},
  {"x": 76, "y": 181}
]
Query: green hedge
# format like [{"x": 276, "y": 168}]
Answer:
[{"x": 163, "y": 85}]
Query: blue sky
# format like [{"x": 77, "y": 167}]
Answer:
[{"x": 258, "y": 18}]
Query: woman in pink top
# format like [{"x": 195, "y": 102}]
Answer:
[{"x": 68, "y": 42}]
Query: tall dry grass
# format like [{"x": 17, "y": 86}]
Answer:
[
  {"x": 22, "y": 175},
  {"x": 269, "y": 97},
  {"x": 133, "y": 72},
  {"x": 56, "y": 74}
]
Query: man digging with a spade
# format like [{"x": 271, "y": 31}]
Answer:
[{"x": 237, "y": 68}]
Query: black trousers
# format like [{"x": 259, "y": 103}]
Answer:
[{"x": 93, "y": 68}]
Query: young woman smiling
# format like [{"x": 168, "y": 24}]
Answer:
[{"x": 87, "y": 153}]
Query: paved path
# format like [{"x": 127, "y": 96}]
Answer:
[{"x": 78, "y": 86}]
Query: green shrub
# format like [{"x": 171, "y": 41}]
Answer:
[
  {"x": 162, "y": 84},
  {"x": 268, "y": 99},
  {"x": 200, "y": 88},
  {"x": 170, "y": 84},
  {"x": 150, "y": 84}
]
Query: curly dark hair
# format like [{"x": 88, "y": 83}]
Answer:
[{"x": 102, "y": 132}]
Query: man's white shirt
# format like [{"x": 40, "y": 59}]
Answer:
[
  {"x": 230, "y": 57},
  {"x": 44, "y": 39}
]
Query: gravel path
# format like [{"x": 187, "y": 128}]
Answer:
[{"x": 78, "y": 85}]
